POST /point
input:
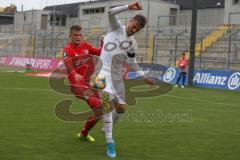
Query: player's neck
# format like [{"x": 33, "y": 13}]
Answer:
[
  {"x": 125, "y": 27},
  {"x": 75, "y": 44}
]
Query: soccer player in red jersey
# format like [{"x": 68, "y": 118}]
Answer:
[{"x": 79, "y": 62}]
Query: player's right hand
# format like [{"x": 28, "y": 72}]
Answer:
[
  {"x": 78, "y": 77},
  {"x": 149, "y": 81},
  {"x": 101, "y": 40},
  {"x": 135, "y": 6}
]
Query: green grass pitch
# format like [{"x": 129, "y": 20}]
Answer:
[{"x": 31, "y": 131}]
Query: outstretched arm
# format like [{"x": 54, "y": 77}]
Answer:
[
  {"x": 114, "y": 22},
  {"x": 135, "y": 67}
]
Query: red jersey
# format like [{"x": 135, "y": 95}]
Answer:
[
  {"x": 78, "y": 60},
  {"x": 183, "y": 64}
]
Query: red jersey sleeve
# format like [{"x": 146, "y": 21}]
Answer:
[
  {"x": 93, "y": 50},
  {"x": 68, "y": 60}
]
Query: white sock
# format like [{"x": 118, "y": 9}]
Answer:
[
  {"x": 107, "y": 124},
  {"x": 115, "y": 116}
]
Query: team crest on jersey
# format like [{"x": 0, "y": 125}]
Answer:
[
  {"x": 65, "y": 55},
  {"x": 124, "y": 45}
]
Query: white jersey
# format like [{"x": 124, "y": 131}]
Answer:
[{"x": 118, "y": 47}]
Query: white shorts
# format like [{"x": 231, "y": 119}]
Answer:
[{"x": 115, "y": 88}]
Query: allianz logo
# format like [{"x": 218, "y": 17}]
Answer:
[
  {"x": 233, "y": 82},
  {"x": 207, "y": 78},
  {"x": 169, "y": 75}
]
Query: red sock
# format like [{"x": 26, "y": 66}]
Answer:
[{"x": 91, "y": 122}]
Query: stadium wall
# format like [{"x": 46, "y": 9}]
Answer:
[
  {"x": 27, "y": 21},
  {"x": 156, "y": 8},
  {"x": 38, "y": 20},
  {"x": 232, "y": 6},
  {"x": 206, "y": 17}
]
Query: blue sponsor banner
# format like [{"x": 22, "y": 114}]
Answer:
[
  {"x": 221, "y": 79},
  {"x": 217, "y": 79}
]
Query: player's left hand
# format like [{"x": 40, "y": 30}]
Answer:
[{"x": 149, "y": 81}]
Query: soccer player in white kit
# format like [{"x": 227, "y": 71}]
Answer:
[{"x": 119, "y": 47}]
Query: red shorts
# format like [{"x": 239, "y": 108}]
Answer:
[{"x": 92, "y": 97}]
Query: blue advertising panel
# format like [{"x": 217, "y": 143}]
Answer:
[
  {"x": 221, "y": 79},
  {"x": 208, "y": 78}
]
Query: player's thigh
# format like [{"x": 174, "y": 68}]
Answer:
[
  {"x": 77, "y": 90},
  {"x": 93, "y": 99}
]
